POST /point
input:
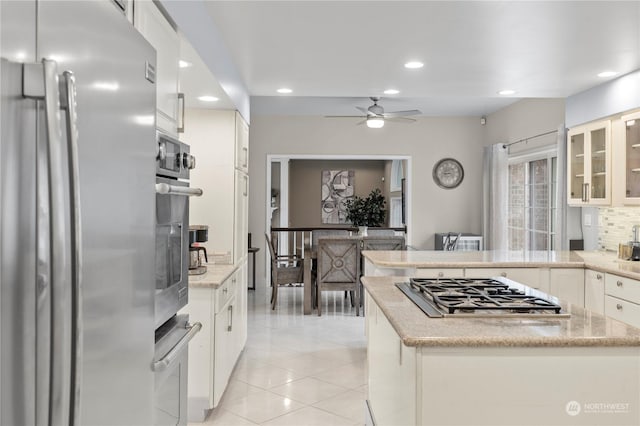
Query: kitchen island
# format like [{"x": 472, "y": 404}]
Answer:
[{"x": 580, "y": 369}]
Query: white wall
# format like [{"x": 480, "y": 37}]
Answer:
[{"x": 426, "y": 141}]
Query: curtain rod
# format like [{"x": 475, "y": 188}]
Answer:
[{"x": 506, "y": 145}]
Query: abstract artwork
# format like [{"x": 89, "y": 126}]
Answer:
[{"x": 337, "y": 187}]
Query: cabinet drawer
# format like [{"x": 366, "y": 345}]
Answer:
[
  {"x": 224, "y": 292},
  {"x": 622, "y": 310},
  {"x": 439, "y": 273},
  {"x": 623, "y": 288}
]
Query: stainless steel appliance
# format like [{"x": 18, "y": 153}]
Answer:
[
  {"x": 77, "y": 144},
  {"x": 478, "y": 297},
  {"x": 172, "y": 226},
  {"x": 458, "y": 241},
  {"x": 197, "y": 234}
]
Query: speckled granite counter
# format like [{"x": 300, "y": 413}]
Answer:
[
  {"x": 474, "y": 259},
  {"x": 596, "y": 260},
  {"x": 582, "y": 328},
  {"x": 214, "y": 277}
]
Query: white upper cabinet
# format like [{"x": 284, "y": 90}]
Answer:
[
  {"x": 162, "y": 36},
  {"x": 589, "y": 164},
  {"x": 630, "y": 161},
  {"x": 242, "y": 144}
]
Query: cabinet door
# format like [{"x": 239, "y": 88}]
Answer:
[
  {"x": 631, "y": 161},
  {"x": 241, "y": 217},
  {"x": 589, "y": 164},
  {"x": 160, "y": 34},
  {"x": 223, "y": 350},
  {"x": 567, "y": 285},
  {"x": 594, "y": 291},
  {"x": 240, "y": 313},
  {"x": 242, "y": 144}
]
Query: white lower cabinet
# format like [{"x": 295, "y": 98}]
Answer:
[
  {"x": 567, "y": 284},
  {"x": 391, "y": 370},
  {"x": 439, "y": 272},
  {"x": 214, "y": 352},
  {"x": 622, "y": 299},
  {"x": 594, "y": 291}
]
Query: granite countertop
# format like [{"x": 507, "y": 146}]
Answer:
[
  {"x": 214, "y": 277},
  {"x": 479, "y": 259},
  {"x": 597, "y": 260},
  {"x": 582, "y": 328}
]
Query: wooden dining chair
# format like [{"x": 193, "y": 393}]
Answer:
[
  {"x": 285, "y": 270},
  {"x": 338, "y": 268},
  {"x": 383, "y": 243}
]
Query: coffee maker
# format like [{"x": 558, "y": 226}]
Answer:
[{"x": 197, "y": 234}]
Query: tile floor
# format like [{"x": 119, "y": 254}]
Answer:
[{"x": 295, "y": 369}]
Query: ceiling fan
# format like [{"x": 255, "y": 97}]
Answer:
[{"x": 374, "y": 116}]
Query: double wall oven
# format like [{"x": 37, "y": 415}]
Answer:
[{"x": 173, "y": 331}]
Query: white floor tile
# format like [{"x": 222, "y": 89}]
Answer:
[
  {"x": 308, "y": 390},
  {"x": 265, "y": 377},
  {"x": 237, "y": 389},
  {"x": 349, "y": 404},
  {"x": 263, "y": 406},
  {"x": 350, "y": 376},
  {"x": 221, "y": 417},
  {"x": 309, "y": 416}
]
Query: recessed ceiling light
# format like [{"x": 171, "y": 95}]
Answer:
[
  {"x": 284, "y": 90},
  {"x": 506, "y": 92},
  {"x": 414, "y": 65},
  {"x": 391, "y": 92},
  {"x": 184, "y": 64},
  {"x": 207, "y": 98},
  {"x": 607, "y": 74}
]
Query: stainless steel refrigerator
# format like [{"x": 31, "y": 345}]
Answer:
[{"x": 77, "y": 206}]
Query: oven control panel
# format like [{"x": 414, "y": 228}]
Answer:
[{"x": 173, "y": 158}]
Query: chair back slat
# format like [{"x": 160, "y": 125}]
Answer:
[{"x": 383, "y": 243}]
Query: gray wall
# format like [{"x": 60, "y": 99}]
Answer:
[{"x": 305, "y": 188}]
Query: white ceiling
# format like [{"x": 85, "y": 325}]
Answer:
[{"x": 335, "y": 54}]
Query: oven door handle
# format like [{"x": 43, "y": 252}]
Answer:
[
  {"x": 166, "y": 360},
  {"x": 166, "y": 189}
]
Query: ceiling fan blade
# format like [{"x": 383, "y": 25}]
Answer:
[
  {"x": 343, "y": 116},
  {"x": 401, "y": 113},
  {"x": 360, "y": 123},
  {"x": 406, "y": 120},
  {"x": 364, "y": 111}
]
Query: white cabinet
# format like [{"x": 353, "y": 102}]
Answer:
[
  {"x": 391, "y": 371},
  {"x": 567, "y": 284},
  {"x": 589, "y": 164},
  {"x": 630, "y": 161},
  {"x": 155, "y": 28},
  {"x": 594, "y": 291},
  {"x": 622, "y": 299},
  {"x": 214, "y": 139},
  {"x": 439, "y": 273},
  {"x": 214, "y": 352}
]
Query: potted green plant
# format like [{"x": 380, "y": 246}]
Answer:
[{"x": 365, "y": 212}]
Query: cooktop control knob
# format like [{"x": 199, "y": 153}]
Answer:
[{"x": 188, "y": 161}]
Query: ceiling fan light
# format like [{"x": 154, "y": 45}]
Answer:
[{"x": 375, "y": 122}]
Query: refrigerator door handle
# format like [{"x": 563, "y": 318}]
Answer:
[
  {"x": 166, "y": 189},
  {"x": 166, "y": 360},
  {"x": 40, "y": 81},
  {"x": 68, "y": 103}
]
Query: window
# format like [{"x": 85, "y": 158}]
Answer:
[
  {"x": 532, "y": 202},
  {"x": 397, "y": 173}
]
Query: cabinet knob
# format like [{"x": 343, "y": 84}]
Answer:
[
  {"x": 440, "y": 274},
  {"x": 619, "y": 283},
  {"x": 619, "y": 307},
  {"x": 225, "y": 290},
  {"x": 503, "y": 274},
  {"x": 599, "y": 277}
]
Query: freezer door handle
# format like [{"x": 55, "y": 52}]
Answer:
[
  {"x": 166, "y": 360},
  {"x": 40, "y": 81},
  {"x": 68, "y": 103},
  {"x": 166, "y": 189}
]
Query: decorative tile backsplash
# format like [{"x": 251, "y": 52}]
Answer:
[{"x": 615, "y": 226}]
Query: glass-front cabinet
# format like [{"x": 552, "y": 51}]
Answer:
[
  {"x": 632, "y": 157},
  {"x": 589, "y": 164}
]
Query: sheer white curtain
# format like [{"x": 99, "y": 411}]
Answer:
[
  {"x": 561, "y": 242},
  {"x": 495, "y": 181}
]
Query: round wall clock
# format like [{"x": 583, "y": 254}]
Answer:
[{"x": 448, "y": 173}]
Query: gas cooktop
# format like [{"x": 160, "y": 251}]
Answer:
[{"x": 477, "y": 297}]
